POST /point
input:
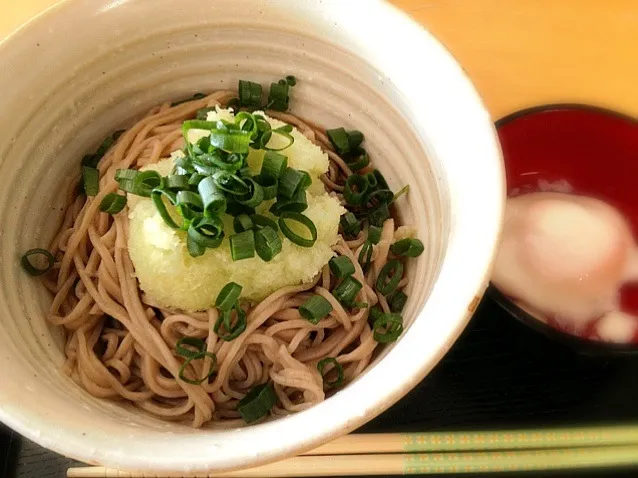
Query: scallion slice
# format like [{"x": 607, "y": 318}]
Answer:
[
  {"x": 355, "y": 138},
  {"x": 255, "y": 194},
  {"x": 397, "y": 300},
  {"x": 407, "y": 247},
  {"x": 158, "y": 196},
  {"x": 213, "y": 199},
  {"x": 291, "y": 80},
  {"x": 404, "y": 190},
  {"x": 198, "y": 344},
  {"x": 231, "y": 141},
  {"x": 358, "y": 160},
  {"x": 379, "y": 215},
  {"x": 189, "y": 199},
  {"x": 381, "y": 182},
  {"x": 91, "y": 180},
  {"x": 145, "y": 181},
  {"x": 113, "y": 203},
  {"x": 250, "y": 94},
  {"x": 202, "y": 113},
  {"x": 341, "y": 267},
  {"x": 350, "y": 225},
  {"x": 177, "y": 181},
  {"x": 278, "y": 98},
  {"x": 347, "y": 291},
  {"x": 269, "y": 186},
  {"x": 273, "y": 165},
  {"x": 242, "y": 245},
  {"x": 291, "y": 181},
  {"x": 267, "y": 243},
  {"x": 355, "y": 190},
  {"x": 337, "y": 366},
  {"x": 365, "y": 255},
  {"x": 374, "y": 234},
  {"x": 195, "y": 249},
  {"x": 231, "y": 331},
  {"x": 303, "y": 221},
  {"x": 199, "y": 356},
  {"x": 257, "y": 403},
  {"x": 315, "y": 309},
  {"x": 389, "y": 277},
  {"x": 387, "y": 328},
  {"x": 242, "y": 223},
  {"x": 339, "y": 139},
  {"x": 34, "y": 270},
  {"x": 372, "y": 181},
  {"x": 297, "y": 203},
  {"x": 207, "y": 232},
  {"x": 231, "y": 183},
  {"x": 228, "y": 296}
]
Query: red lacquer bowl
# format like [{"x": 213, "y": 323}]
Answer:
[{"x": 593, "y": 150}]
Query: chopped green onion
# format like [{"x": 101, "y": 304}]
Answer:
[
  {"x": 315, "y": 309},
  {"x": 269, "y": 186},
  {"x": 231, "y": 141},
  {"x": 378, "y": 197},
  {"x": 177, "y": 181},
  {"x": 202, "y": 113},
  {"x": 374, "y": 234},
  {"x": 337, "y": 366},
  {"x": 281, "y": 131},
  {"x": 404, "y": 190},
  {"x": 195, "y": 179},
  {"x": 305, "y": 222},
  {"x": 267, "y": 243},
  {"x": 255, "y": 194},
  {"x": 145, "y": 181},
  {"x": 291, "y": 181},
  {"x": 274, "y": 165},
  {"x": 242, "y": 245},
  {"x": 358, "y": 161},
  {"x": 350, "y": 225},
  {"x": 195, "y": 249},
  {"x": 126, "y": 174},
  {"x": 407, "y": 247},
  {"x": 298, "y": 203},
  {"x": 347, "y": 291},
  {"x": 228, "y": 296},
  {"x": 379, "y": 215},
  {"x": 263, "y": 221},
  {"x": 397, "y": 300},
  {"x": 278, "y": 98},
  {"x": 257, "y": 403},
  {"x": 34, "y": 270},
  {"x": 365, "y": 255},
  {"x": 207, "y": 232},
  {"x": 291, "y": 80},
  {"x": 231, "y": 331},
  {"x": 201, "y": 355},
  {"x": 213, "y": 199},
  {"x": 355, "y": 138},
  {"x": 250, "y": 94},
  {"x": 341, "y": 267},
  {"x": 339, "y": 139},
  {"x": 389, "y": 277},
  {"x": 158, "y": 196},
  {"x": 182, "y": 351},
  {"x": 355, "y": 190},
  {"x": 189, "y": 199},
  {"x": 387, "y": 328},
  {"x": 91, "y": 179},
  {"x": 375, "y": 313},
  {"x": 231, "y": 183},
  {"x": 381, "y": 182},
  {"x": 372, "y": 181},
  {"x": 242, "y": 223},
  {"x": 113, "y": 203}
]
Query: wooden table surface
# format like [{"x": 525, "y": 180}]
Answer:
[{"x": 519, "y": 53}]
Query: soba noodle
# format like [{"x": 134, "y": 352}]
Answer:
[{"x": 120, "y": 345}]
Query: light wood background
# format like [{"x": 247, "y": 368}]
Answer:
[{"x": 518, "y": 52}]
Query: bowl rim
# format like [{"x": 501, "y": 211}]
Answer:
[{"x": 471, "y": 205}]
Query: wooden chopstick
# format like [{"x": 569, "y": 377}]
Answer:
[{"x": 410, "y": 464}]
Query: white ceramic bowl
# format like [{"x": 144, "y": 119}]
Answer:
[{"x": 83, "y": 68}]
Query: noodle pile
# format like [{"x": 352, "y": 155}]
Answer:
[{"x": 120, "y": 345}]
